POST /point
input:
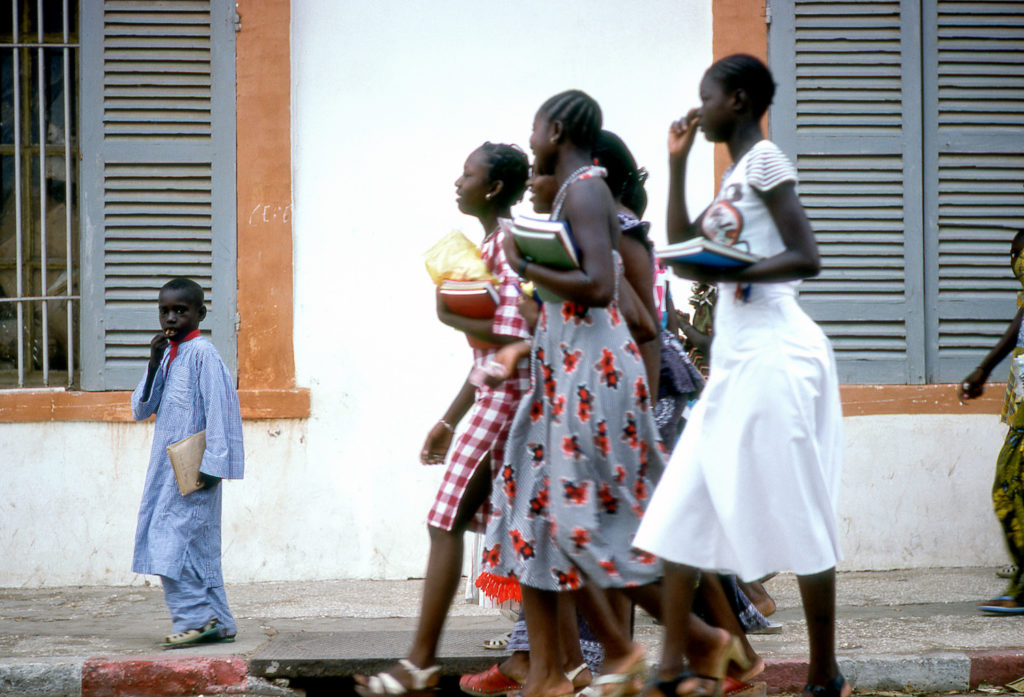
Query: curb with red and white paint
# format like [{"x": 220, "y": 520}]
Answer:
[
  {"x": 136, "y": 677},
  {"x": 940, "y": 671}
]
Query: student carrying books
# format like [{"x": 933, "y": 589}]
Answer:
[
  {"x": 767, "y": 427},
  {"x": 190, "y": 390},
  {"x": 583, "y": 452},
  {"x": 493, "y": 178}
]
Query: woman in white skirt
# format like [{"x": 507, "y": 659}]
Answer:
[{"x": 752, "y": 485}]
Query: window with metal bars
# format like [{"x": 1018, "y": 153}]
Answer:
[{"x": 39, "y": 295}]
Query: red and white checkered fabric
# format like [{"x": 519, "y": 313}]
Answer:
[{"x": 491, "y": 415}]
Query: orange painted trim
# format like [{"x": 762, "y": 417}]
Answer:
[
  {"x": 264, "y": 184},
  {"x": 292, "y": 403},
  {"x": 28, "y": 405},
  {"x": 870, "y": 400},
  {"x": 737, "y": 26}
]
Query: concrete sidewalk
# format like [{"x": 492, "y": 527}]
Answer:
[{"x": 915, "y": 631}]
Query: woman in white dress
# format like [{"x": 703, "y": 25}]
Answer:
[{"x": 752, "y": 485}]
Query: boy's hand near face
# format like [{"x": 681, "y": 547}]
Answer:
[{"x": 157, "y": 346}]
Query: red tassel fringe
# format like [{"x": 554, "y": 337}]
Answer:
[{"x": 499, "y": 588}]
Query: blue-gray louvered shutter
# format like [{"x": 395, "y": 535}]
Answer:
[
  {"x": 158, "y": 174},
  {"x": 848, "y": 76},
  {"x": 974, "y": 177}
]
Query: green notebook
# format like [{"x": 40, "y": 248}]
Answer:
[{"x": 544, "y": 242}]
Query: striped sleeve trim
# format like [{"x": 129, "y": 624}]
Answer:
[{"x": 767, "y": 167}]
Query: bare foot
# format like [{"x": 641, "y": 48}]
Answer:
[
  {"x": 756, "y": 668},
  {"x": 631, "y": 662},
  {"x": 764, "y": 603},
  {"x": 714, "y": 653},
  {"x": 517, "y": 666},
  {"x": 582, "y": 678},
  {"x": 553, "y": 687}
]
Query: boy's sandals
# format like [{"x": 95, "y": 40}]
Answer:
[
  {"x": 209, "y": 632},
  {"x": 388, "y": 684}
]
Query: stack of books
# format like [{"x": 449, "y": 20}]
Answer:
[
  {"x": 476, "y": 299},
  {"x": 545, "y": 242},
  {"x": 700, "y": 251}
]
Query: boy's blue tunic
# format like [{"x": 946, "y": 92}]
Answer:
[{"x": 196, "y": 394}]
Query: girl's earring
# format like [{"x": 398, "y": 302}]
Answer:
[{"x": 488, "y": 196}]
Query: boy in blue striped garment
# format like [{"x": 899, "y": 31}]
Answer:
[{"x": 189, "y": 389}]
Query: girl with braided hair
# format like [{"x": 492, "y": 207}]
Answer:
[
  {"x": 583, "y": 452},
  {"x": 767, "y": 426},
  {"x": 493, "y": 179}
]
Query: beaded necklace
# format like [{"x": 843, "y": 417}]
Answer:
[{"x": 584, "y": 172}]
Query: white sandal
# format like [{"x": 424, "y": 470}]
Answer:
[
  {"x": 498, "y": 643},
  {"x": 388, "y": 684},
  {"x": 575, "y": 672},
  {"x": 619, "y": 682}
]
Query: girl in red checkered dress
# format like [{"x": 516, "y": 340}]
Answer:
[{"x": 493, "y": 179}]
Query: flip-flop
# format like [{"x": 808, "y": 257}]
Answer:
[
  {"x": 1008, "y": 571},
  {"x": 770, "y": 628},
  {"x": 1005, "y": 608}
]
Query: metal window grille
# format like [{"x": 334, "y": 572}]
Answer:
[{"x": 38, "y": 192}]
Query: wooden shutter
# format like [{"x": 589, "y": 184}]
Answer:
[
  {"x": 974, "y": 185},
  {"x": 846, "y": 80},
  {"x": 158, "y": 175}
]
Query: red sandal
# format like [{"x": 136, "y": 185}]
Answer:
[{"x": 490, "y": 683}]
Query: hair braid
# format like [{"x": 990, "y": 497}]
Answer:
[
  {"x": 744, "y": 72},
  {"x": 579, "y": 113},
  {"x": 624, "y": 178},
  {"x": 509, "y": 165}
]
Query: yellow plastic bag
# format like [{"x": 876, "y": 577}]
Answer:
[{"x": 455, "y": 257}]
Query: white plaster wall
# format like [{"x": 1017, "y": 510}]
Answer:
[
  {"x": 917, "y": 491},
  {"x": 72, "y": 491},
  {"x": 389, "y": 98},
  {"x": 915, "y": 494}
]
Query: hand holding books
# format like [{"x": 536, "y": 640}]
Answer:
[
  {"x": 703, "y": 259},
  {"x": 464, "y": 284},
  {"x": 545, "y": 242}
]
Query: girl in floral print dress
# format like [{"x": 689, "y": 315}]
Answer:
[{"x": 583, "y": 452}]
